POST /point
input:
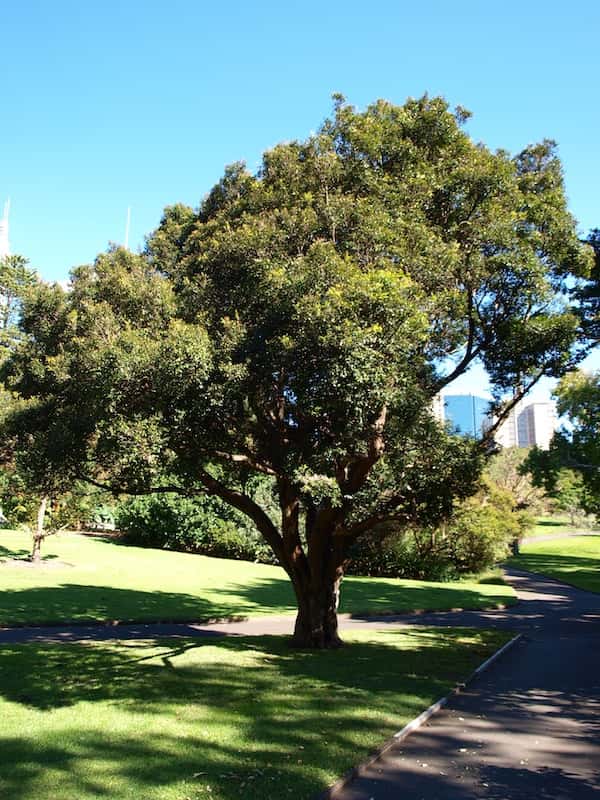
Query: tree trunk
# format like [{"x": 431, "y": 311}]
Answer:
[
  {"x": 316, "y": 623},
  {"x": 38, "y": 536}
]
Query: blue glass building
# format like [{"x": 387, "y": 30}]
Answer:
[{"x": 467, "y": 414}]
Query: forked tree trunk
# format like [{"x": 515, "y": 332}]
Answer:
[{"x": 38, "y": 535}]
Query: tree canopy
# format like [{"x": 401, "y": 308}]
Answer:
[
  {"x": 299, "y": 323},
  {"x": 589, "y": 293},
  {"x": 16, "y": 277},
  {"x": 573, "y": 460}
]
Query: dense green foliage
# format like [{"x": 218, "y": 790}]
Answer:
[
  {"x": 589, "y": 294},
  {"x": 295, "y": 325},
  {"x": 569, "y": 494},
  {"x": 570, "y": 469},
  {"x": 476, "y": 536},
  {"x": 202, "y": 525},
  {"x": 16, "y": 278}
]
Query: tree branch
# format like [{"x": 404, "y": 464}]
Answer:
[
  {"x": 352, "y": 475},
  {"x": 471, "y": 352},
  {"x": 240, "y": 458},
  {"x": 488, "y": 436},
  {"x": 170, "y": 488},
  {"x": 248, "y": 507}
]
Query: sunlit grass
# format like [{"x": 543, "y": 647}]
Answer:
[
  {"x": 575, "y": 560},
  {"x": 235, "y": 718},
  {"x": 84, "y": 578},
  {"x": 560, "y": 525}
]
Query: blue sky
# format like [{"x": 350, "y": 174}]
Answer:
[{"x": 141, "y": 104}]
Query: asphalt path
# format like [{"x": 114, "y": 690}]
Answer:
[{"x": 529, "y": 727}]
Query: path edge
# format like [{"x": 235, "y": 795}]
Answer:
[{"x": 414, "y": 725}]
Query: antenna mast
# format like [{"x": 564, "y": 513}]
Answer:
[
  {"x": 127, "y": 228},
  {"x": 4, "y": 243}
]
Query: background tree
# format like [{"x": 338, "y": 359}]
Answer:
[
  {"x": 15, "y": 279},
  {"x": 589, "y": 293},
  {"x": 575, "y": 448},
  {"x": 506, "y": 471},
  {"x": 569, "y": 494},
  {"x": 295, "y": 326}
]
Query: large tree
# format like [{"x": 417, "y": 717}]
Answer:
[{"x": 298, "y": 325}]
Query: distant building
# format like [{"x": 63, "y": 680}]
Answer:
[
  {"x": 537, "y": 423},
  {"x": 467, "y": 414},
  {"x": 4, "y": 243},
  {"x": 528, "y": 426}
]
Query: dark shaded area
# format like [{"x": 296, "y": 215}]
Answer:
[
  {"x": 550, "y": 523},
  {"x": 365, "y": 596},
  {"x": 80, "y": 603},
  {"x": 283, "y": 703},
  {"x": 11, "y": 552}
]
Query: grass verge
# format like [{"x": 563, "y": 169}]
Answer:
[
  {"x": 90, "y": 579},
  {"x": 216, "y": 719},
  {"x": 575, "y": 560},
  {"x": 558, "y": 526}
]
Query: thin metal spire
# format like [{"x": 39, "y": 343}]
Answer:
[{"x": 127, "y": 226}]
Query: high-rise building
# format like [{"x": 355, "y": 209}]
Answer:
[
  {"x": 467, "y": 414},
  {"x": 4, "y": 243},
  {"x": 507, "y": 433},
  {"x": 528, "y": 426},
  {"x": 537, "y": 423}
]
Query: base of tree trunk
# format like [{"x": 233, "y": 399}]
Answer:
[
  {"x": 319, "y": 634},
  {"x": 36, "y": 554}
]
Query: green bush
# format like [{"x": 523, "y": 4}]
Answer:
[
  {"x": 399, "y": 556},
  {"x": 478, "y": 535},
  {"x": 193, "y": 525}
]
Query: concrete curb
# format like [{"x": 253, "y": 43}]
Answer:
[{"x": 331, "y": 792}]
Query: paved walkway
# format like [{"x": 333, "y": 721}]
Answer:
[{"x": 529, "y": 728}]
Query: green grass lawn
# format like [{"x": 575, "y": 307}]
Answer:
[
  {"x": 575, "y": 560},
  {"x": 85, "y": 578},
  {"x": 553, "y": 526},
  {"x": 221, "y": 719}
]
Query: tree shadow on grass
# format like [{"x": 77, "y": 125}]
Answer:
[
  {"x": 11, "y": 552},
  {"x": 551, "y": 523},
  {"x": 80, "y": 603},
  {"x": 578, "y": 571},
  {"x": 364, "y": 596},
  {"x": 248, "y": 717},
  {"x": 70, "y": 603}
]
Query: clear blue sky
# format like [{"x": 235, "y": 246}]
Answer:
[{"x": 141, "y": 103}]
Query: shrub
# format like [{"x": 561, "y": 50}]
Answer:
[
  {"x": 194, "y": 525},
  {"x": 478, "y": 535}
]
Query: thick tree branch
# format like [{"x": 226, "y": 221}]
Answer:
[
  {"x": 248, "y": 507},
  {"x": 352, "y": 474},
  {"x": 354, "y": 531}
]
